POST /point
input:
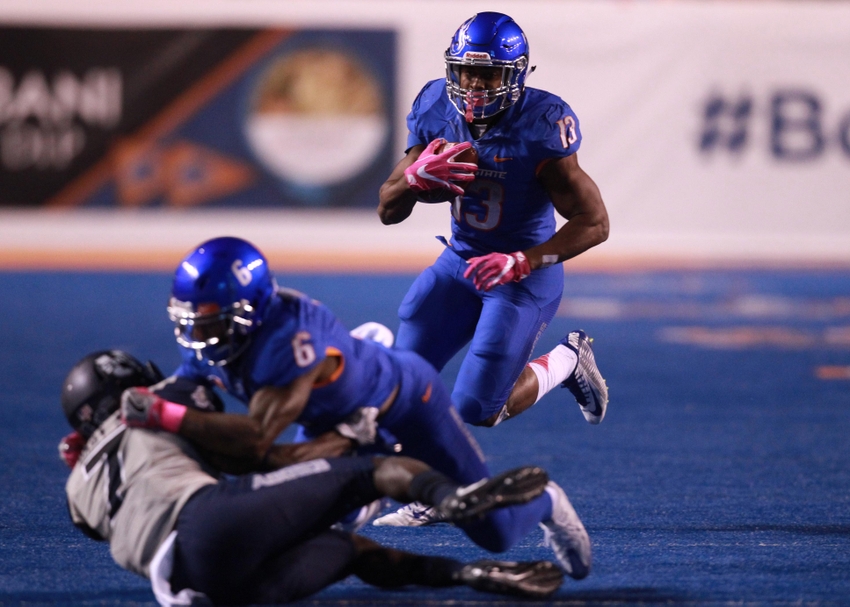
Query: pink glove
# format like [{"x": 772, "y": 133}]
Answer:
[
  {"x": 142, "y": 409},
  {"x": 434, "y": 171},
  {"x": 496, "y": 269},
  {"x": 70, "y": 448}
]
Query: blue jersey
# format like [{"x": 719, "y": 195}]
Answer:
[
  {"x": 505, "y": 209},
  {"x": 297, "y": 334}
]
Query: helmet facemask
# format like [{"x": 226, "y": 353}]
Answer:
[
  {"x": 483, "y": 104},
  {"x": 216, "y": 335}
]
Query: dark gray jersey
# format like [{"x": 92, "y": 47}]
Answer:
[{"x": 129, "y": 486}]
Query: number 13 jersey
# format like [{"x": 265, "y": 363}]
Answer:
[{"x": 505, "y": 209}]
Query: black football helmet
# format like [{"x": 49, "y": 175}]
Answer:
[{"x": 92, "y": 390}]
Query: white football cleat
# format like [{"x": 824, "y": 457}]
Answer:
[
  {"x": 566, "y": 535},
  {"x": 414, "y": 514},
  {"x": 586, "y": 382},
  {"x": 356, "y": 519}
]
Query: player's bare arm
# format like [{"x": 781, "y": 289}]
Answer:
[
  {"x": 578, "y": 200},
  {"x": 242, "y": 442},
  {"x": 395, "y": 198},
  {"x": 272, "y": 409},
  {"x": 329, "y": 444}
]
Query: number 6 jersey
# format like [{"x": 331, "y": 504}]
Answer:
[{"x": 296, "y": 334}]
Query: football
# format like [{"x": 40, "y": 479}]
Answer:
[{"x": 444, "y": 194}]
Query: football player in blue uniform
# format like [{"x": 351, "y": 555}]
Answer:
[
  {"x": 292, "y": 361},
  {"x": 499, "y": 281}
]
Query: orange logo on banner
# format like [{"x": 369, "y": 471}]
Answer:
[
  {"x": 144, "y": 170},
  {"x": 184, "y": 173}
]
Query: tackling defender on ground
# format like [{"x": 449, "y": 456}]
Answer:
[{"x": 260, "y": 538}]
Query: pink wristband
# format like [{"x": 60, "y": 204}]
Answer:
[{"x": 172, "y": 416}]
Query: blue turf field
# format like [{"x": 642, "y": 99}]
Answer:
[{"x": 721, "y": 474}]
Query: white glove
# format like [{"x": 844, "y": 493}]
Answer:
[
  {"x": 374, "y": 331},
  {"x": 361, "y": 426}
]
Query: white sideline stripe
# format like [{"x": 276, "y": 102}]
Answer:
[{"x": 355, "y": 240}]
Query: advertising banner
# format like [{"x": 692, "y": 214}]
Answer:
[
  {"x": 711, "y": 128},
  {"x": 194, "y": 117},
  {"x": 716, "y": 131}
]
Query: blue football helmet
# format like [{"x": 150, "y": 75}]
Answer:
[
  {"x": 218, "y": 298},
  {"x": 487, "y": 40}
]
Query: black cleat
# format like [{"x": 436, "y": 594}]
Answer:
[
  {"x": 509, "y": 488},
  {"x": 537, "y": 579}
]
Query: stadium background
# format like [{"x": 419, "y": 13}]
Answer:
[{"x": 719, "y": 133}]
